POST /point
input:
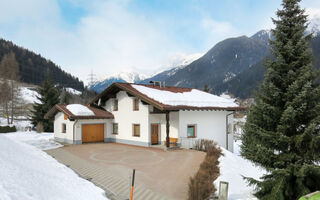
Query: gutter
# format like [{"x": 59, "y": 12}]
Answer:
[
  {"x": 227, "y": 134},
  {"x": 74, "y": 130}
]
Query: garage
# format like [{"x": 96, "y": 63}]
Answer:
[{"x": 92, "y": 133}]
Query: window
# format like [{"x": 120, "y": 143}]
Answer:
[
  {"x": 64, "y": 128},
  {"x": 136, "y": 130},
  {"x": 115, "y": 105},
  {"x": 191, "y": 131},
  {"x": 115, "y": 128},
  {"x": 65, "y": 117},
  {"x": 135, "y": 104}
]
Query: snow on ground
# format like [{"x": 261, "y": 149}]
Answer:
[
  {"x": 232, "y": 168},
  {"x": 73, "y": 91},
  {"x": 196, "y": 98},
  {"x": 19, "y": 124},
  {"x": 43, "y": 141},
  {"x": 29, "y": 95},
  {"x": 79, "y": 110},
  {"x": 28, "y": 173}
]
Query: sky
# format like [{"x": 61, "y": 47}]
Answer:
[{"x": 144, "y": 36}]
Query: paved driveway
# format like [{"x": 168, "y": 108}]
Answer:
[{"x": 159, "y": 174}]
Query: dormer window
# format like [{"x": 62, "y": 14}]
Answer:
[
  {"x": 135, "y": 104},
  {"x": 115, "y": 105}
]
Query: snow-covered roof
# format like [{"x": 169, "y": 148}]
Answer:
[
  {"x": 79, "y": 110},
  {"x": 169, "y": 98},
  {"x": 193, "y": 98}
]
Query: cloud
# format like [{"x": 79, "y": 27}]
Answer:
[
  {"x": 108, "y": 39},
  {"x": 218, "y": 30}
]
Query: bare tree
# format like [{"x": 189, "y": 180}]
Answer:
[{"x": 9, "y": 68}]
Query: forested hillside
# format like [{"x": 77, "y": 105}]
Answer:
[
  {"x": 33, "y": 67},
  {"x": 249, "y": 80}
]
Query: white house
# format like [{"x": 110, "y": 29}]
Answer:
[{"x": 147, "y": 115}]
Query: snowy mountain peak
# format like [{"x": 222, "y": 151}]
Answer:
[
  {"x": 124, "y": 77},
  {"x": 263, "y": 36},
  {"x": 179, "y": 61},
  {"x": 128, "y": 76}
]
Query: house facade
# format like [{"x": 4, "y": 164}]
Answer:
[{"x": 147, "y": 115}]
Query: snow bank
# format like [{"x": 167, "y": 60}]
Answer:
[
  {"x": 30, "y": 174},
  {"x": 232, "y": 168},
  {"x": 73, "y": 91},
  {"x": 196, "y": 98},
  {"x": 29, "y": 95},
  {"x": 19, "y": 124},
  {"x": 79, "y": 110},
  {"x": 43, "y": 141}
]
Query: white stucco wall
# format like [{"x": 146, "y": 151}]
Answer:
[
  {"x": 126, "y": 117},
  {"x": 63, "y": 137},
  {"x": 209, "y": 125}
]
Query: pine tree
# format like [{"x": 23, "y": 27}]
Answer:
[
  {"x": 282, "y": 129},
  {"x": 206, "y": 88},
  {"x": 48, "y": 97}
]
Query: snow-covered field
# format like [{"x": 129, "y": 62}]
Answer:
[
  {"x": 26, "y": 172},
  {"x": 29, "y": 95},
  {"x": 232, "y": 169}
]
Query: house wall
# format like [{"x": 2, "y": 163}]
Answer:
[
  {"x": 161, "y": 120},
  {"x": 79, "y": 123},
  {"x": 58, "y": 135},
  {"x": 126, "y": 117},
  {"x": 209, "y": 125}
]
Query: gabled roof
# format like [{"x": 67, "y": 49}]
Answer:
[
  {"x": 99, "y": 113},
  {"x": 169, "y": 98}
]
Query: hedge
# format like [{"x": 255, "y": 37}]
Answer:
[{"x": 7, "y": 129}]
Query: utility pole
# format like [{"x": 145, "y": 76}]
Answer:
[{"x": 92, "y": 78}]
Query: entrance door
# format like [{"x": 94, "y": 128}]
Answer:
[
  {"x": 92, "y": 133},
  {"x": 154, "y": 133}
]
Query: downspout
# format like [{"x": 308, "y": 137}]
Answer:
[
  {"x": 227, "y": 134},
  {"x": 74, "y": 131}
]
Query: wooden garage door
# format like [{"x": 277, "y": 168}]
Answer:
[{"x": 92, "y": 133}]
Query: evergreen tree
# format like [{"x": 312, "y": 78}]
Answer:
[
  {"x": 48, "y": 97},
  {"x": 206, "y": 88},
  {"x": 282, "y": 129}
]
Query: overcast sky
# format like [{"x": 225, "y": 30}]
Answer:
[{"x": 141, "y": 35}]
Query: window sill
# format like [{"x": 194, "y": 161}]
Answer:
[
  {"x": 115, "y": 133},
  {"x": 191, "y": 136},
  {"x": 136, "y": 135}
]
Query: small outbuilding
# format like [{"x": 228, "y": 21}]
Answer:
[{"x": 77, "y": 124}]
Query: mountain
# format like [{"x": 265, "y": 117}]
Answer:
[
  {"x": 249, "y": 80},
  {"x": 124, "y": 77},
  {"x": 176, "y": 64},
  {"x": 33, "y": 67},
  {"x": 223, "y": 62}
]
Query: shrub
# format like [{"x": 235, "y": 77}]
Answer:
[
  {"x": 201, "y": 184},
  {"x": 40, "y": 128},
  {"x": 7, "y": 129}
]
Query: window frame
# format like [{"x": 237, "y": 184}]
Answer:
[
  {"x": 194, "y": 130},
  {"x": 134, "y": 130},
  {"x": 115, "y": 102},
  {"x": 63, "y": 128},
  {"x": 135, "y": 104},
  {"x": 113, "y": 132}
]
